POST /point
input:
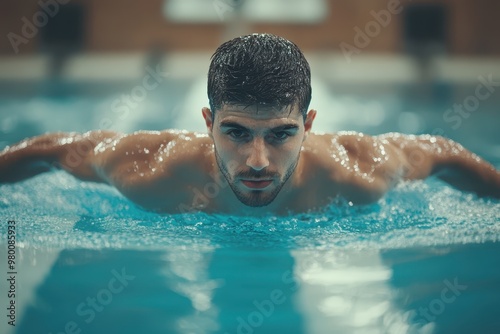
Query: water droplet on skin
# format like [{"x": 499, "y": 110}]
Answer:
[
  {"x": 100, "y": 148},
  {"x": 64, "y": 141},
  {"x": 169, "y": 147}
]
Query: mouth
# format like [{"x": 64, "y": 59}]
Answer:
[{"x": 256, "y": 184}]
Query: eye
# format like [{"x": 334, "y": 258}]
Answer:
[
  {"x": 237, "y": 134},
  {"x": 281, "y": 135}
]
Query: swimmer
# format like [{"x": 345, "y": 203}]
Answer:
[{"x": 259, "y": 155}]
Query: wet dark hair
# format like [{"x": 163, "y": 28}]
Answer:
[{"x": 259, "y": 69}]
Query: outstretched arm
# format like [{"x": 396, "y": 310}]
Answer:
[
  {"x": 72, "y": 152},
  {"x": 434, "y": 155},
  {"x": 140, "y": 165}
]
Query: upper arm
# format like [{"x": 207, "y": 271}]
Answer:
[
  {"x": 373, "y": 165},
  {"x": 77, "y": 153},
  {"x": 129, "y": 159},
  {"x": 365, "y": 167},
  {"x": 426, "y": 155},
  {"x": 419, "y": 156}
]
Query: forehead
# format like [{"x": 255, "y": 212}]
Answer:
[{"x": 259, "y": 114}]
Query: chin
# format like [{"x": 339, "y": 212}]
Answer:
[
  {"x": 254, "y": 200},
  {"x": 252, "y": 204}
]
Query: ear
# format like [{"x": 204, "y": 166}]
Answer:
[
  {"x": 207, "y": 115},
  {"x": 311, "y": 115}
]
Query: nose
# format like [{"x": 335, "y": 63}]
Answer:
[{"x": 258, "y": 157}]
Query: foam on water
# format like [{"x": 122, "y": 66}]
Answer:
[{"x": 55, "y": 210}]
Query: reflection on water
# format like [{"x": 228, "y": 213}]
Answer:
[
  {"x": 452, "y": 289},
  {"x": 176, "y": 291},
  {"x": 258, "y": 292},
  {"x": 105, "y": 292},
  {"x": 343, "y": 292}
]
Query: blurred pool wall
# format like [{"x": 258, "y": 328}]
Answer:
[
  {"x": 411, "y": 66},
  {"x": 420, "y": 66}
]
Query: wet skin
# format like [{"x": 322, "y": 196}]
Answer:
[{"x": 251, "y": 161}]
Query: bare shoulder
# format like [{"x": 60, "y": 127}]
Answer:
[
  {"x": 352, "y": 153},
  {"x": 360, "y": 166},
  {"x": 146, "y": 165},
  {"x": 146, "y": 148}
]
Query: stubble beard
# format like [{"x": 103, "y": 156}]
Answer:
[{"x": 256, "y": 198}]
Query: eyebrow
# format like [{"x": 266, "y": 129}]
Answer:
[{"x": 231, "y": 124}]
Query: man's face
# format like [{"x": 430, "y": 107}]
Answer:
[{"x": 257, "y": 149}]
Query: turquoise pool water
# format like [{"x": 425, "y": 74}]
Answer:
[
  {"x": 422, "y": 260},
  {"x": 90, "y": 260}
]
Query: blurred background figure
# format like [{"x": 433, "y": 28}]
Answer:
[{"x": 420, "y": 66}]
